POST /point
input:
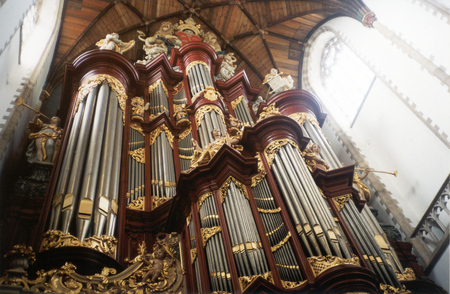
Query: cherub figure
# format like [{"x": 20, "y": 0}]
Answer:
[
  {"x": 138, "y": 109},
  {"x": 313, "y": 159},
  {"x": 46, "y": 140},
  {"x": 227, "y": 67},
  {"x": 157, "y": 265},
  {"x": 112, "y": 42}
]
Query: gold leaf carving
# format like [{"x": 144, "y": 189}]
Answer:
[
  {"x": 56, "y": 239},
  {"x": 268, "y": 112},
  {"x": 407, "y": 275},
  {"x": 157, "y": 201},
  {"x": 274, "y": 147},
  {"x": 94, "y": 81},
  {"x": 153, "y": 86},
  {"x": 207, "y": 233},
  {"x": 340, "y": 201},
  {"x": 236, "y": 101},
  {"x": 246, "y": 281},
  {"x": 155, "y": 134},
  {"x": 203, "y": 198},
  {"x": 200, "y": 113},
  {"x": 184, "y": 134},
  {"x": 290, "y": 285},
  {"x": 138, "y": 155},
  {"x": 281, "y": 244},
  {"x": 320, "y": 264},
  {"x": 194, "y": 63},
  {"x": 137, "y": 204},
  {"x": 301, "y": 117},
  {"x": 226, "y": 185},
  {"x": 269, "y": 210}
]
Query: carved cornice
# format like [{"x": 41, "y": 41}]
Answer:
[
  {"x": 196, "y": 51},
  {"x": 320, "y": 264},
  {"x": 236, "y": 86}
]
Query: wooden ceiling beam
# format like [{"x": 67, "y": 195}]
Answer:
[
  {"x": 268, "y": 49},
  {"x": 284, "y": 37},
  {"x": 301, "y": 14},
  {"x": 249, "y": 16}
]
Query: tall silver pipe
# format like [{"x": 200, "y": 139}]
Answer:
[
  {"x": 89, "y": 183},
  {"x": 102, "y": 197},
  {"x": 115, "y": 175},
  {"x": 73, "y": 186},
  {"x": 65, "y": 168}
]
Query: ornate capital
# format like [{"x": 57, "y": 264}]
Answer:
[{"x": 320, "y": 264}]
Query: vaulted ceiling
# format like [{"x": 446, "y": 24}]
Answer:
[{"x": 262, "y": 34}]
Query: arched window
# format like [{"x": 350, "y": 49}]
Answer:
[{"x": 346, "y": 79}]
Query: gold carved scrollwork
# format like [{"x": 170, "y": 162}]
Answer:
[
  {"x": 184, "y": 134},
  {"x": 158, "y": 201},
  {"x": 261, "y": 172},
  {"x": 226, "y": 185},
  {"x": 268, "y": 112},
  {"x": 94, "y": 81},
  {"x": 208, "y": 233},
  {"x": 194, "y": 63},
  {"x": 321, "y": 263},
  {"x": 138, "y": 155},
  {"x": 56, "y": 239},
  {"x": 301, "y": 117},
  {"x": 200, "y": 113},
  {"x": 291, "y": 285},
  {"x": 340, "y": 201},
  {"x": 203, "y": 198},
  {"x": 178, "y": 88},
  {"x": 407, "y": 275},
  {"x": 137, "y": 204},
  {"x": 246, "y": 281},
  {"x": 269, "y": 210},
  {"x": 188, "y": 219},
  {"x": 281, "y": 244},
  {"x": 387, "y": 289},
  {"x": 193, "y": 255},
  {"x": 153, "y": 86},
  {"x": 236, "y": 101},
  {"x": 274, "y": 147},
  {"x": 155, "y": 134}
]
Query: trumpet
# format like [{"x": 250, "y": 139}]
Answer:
[
  {"x": 19, "y": 101},
  {"x": 369, "y": 170}
]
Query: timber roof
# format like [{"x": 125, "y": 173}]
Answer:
[{"x": 262, "y": 34}]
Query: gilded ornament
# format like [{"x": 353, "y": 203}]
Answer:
[
  {"x": 207, "y": 233},
  {"x": 368, "y": 19},
  {"x": 313, "y": 160},
  {"x": 178, "y": 88},
  {"x": 225, "y": 186},
  {"x": 138, "y": 155},
  {"x": 276, "y": 210},
  {"x": 246, "y": 281},
  {"x": 158, "y": 201},
  {"x": 137, "y": 127},
  {"x": 407, "y": 275},
  {"x": 188, "y": 219},
  {"x": 268, "y": 111},
  {"x": 249, "y": 246},
  {"x": 56, "y": 239},
  {"x": 194, "y": 63},
  {"x": 363, "y": 189},
  {"x": 278, "y": 83},
  {"x": 387, "y": 289},
  {"x": 210, "y": 93},
  {"x": 203, "y": 198},
  {"x": 291, "y": 285},
  {"x": 184, "y": 134},
  {"x": 281, "y": 244},
  {"x": 112, "y": 42},
  {"x": 137, "y": 204},
  {"x": 155, "y": 134},
  {"x": 275, "y": 230},
  {"x": 236, "y": 101},
  {"x": 340, "y": 201},
  {"x": 261, "y": 172},
  {"x": 274, "y": 147},
  {"x": 320, "y": 264},
  {"x": 193, "y": 255},
  {"x": 137, "y": 107},
  {"x": 301, "y": 117},
  {"x": 200, "y": 113},
  {"x": 94, "y": 81},
  {"x": 153, "y": 86}
]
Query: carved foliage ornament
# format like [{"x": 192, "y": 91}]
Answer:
[
  {"x": 387, "y": 289},
  {"x": 407, "y": 275},
  {"x": 153, "y": 86},
  {"x": 137, "y": 204},
  {"x": 274, "y": 147},
  {"x": 155, "y": 134},
  {"x": 236, "y": 101},
  {"x": 207, "y": 233},
  {"x": 138, "y": 155},
  {"x": 268, "y": 111},
  {"x": 96, "y": 80},
  {"x": 261, "y": 172},
  {"x": 340, "y": 201},
  {"x": 158, "y": 201},
  {"x": 320, "y": 264},
  {"x": 246, "y": 281},
  {"x": 200, "y": 113},
  {"x": 163, "y": 265},
  {"x": 194, "y": 63},
  {"x": 301, "y": 117},
  {"x": 56, "y": 239},
  {"x": 226, "y": 185},
  {"x": 203, "y": 198}
]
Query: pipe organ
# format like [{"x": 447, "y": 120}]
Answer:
[{"x": 242, "y": 210}]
